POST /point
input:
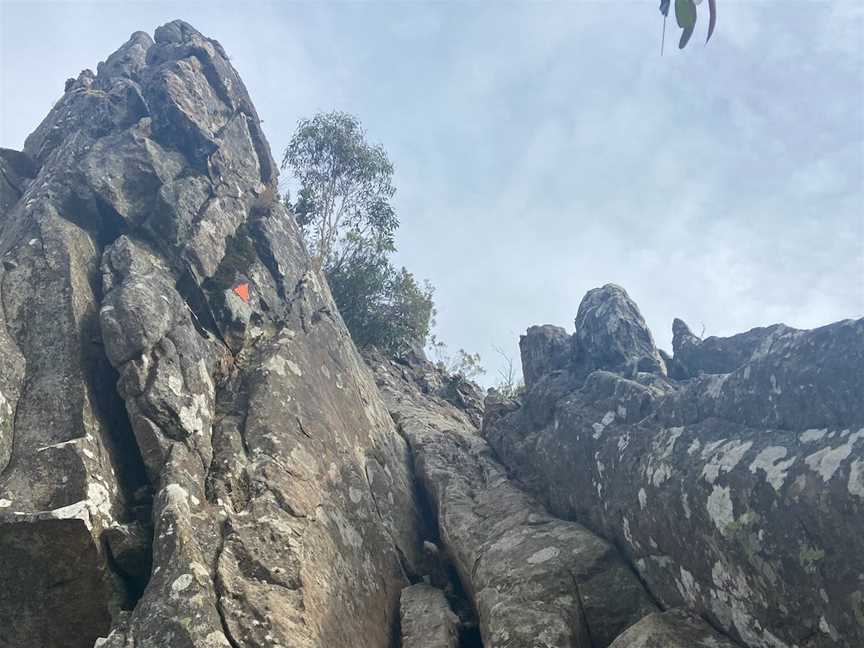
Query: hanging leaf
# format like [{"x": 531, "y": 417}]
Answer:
[
  {"x": 685, "y": 38},
  {"x": 685, "y": 14},
  {"x": 712, "y": 18},
  {"x": 664, "y": 7}
]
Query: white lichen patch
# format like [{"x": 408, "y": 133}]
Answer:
[
  {"x": 809, "y": 436},
  {"x": 76, "y": 511},
  {"x": 709, "y": 449},
  {"x": 293, "y": 367},
  {"x": 826, "y": 461},
  {"x": 687, "y": 586},
  {"x": 775, "y": 388},
  {"x": 276, "y": 364},
  {"x": 205, "y": 376},
  {"x": 714, "y": 385},
  {"x": 61, "y": 444},
  {"x": 770, "y": 460},
  {"x": 175, "y": 384},
  {"x": 355, "y": 494},
  {"x": 5, "y": 503},
  {"x": 625, "y": 526},
  {"x": 623, "y": 442},
  {"x": 192, "y": 416},
  {"x": 856, "y": 478},
  {"x": 720, "y": 509},
  {"x": 99, "y": 500},
  {"x": 608, "y": 417},
  {"x": 216, "y": 639},
  {"x": 673, "y": 434},
  {"x": 177, "y": 496},
  {"x": 827, "y": 628},
  {"x": 180, "y": 584},
  {"x": 601, "y": 468},
  {"x": 725, "y": 460},
  {"x": 661, "y": 474},
  {"x": 543, "y": 555}
]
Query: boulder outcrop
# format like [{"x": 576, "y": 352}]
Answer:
[
  {"x": 736, "y": 493},
  {"x": 535, "y": 581},
  {"x": 183, "y": 463}
]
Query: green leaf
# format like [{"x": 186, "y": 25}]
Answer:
[
  {"x": 712, "y": 18},
  {"x": 685, "y": 37},
  {"x": 685, "y": 14}
]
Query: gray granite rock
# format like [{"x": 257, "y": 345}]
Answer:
[
  {"x": 544, "y": 349},
  {"x": 219, "y": 471},
  {"x": 426, "y": 618},
  {"x": 736, "y": 495},
  {"x": 673, "y": 629},
  {"x": 535, "y": 580}
]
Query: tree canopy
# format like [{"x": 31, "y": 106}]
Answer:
[
  {"x": 345, "y": 188},
  {"x": 343, "y": 208}
]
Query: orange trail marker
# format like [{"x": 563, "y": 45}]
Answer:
[{"x": 242, "y": 291}]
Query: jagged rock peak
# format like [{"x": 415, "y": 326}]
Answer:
[
  {"x": 612, "y": 334},
  {"x": 177, "y": 387}
]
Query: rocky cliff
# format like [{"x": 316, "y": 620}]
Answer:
[
  {"x": 194, "y": 454},
  {"x": 184, "y": 462},
  {"x": 729, "y": 475}
]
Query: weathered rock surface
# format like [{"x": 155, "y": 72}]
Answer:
[
  {"x": 673, "y": 629},
  {"x": 611, "y": 334},
  {"x": 544, "y": 349},
  {"x": 736, "y": 495},
  {"x": 182, "y": 466},
  {"x": 426, "y": 618},
  {"x": 536, "y": 581}
]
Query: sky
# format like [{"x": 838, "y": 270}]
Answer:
[{"x": 546, "y": 148}]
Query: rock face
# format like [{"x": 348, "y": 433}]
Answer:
[
  {"x": 673, "y": 629},
  {"x": 194, "y": 455},
  {"x": 535, "y": 581},
  {"x": 182, "y": 466},
  {"x": 736, "y": 493},
  {"x": 426, "y": 618}
]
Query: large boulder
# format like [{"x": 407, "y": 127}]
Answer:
[
  {"x": 611, "y": 334},
  {"x": 736, "y": 495},
  {"x": 182, "y": 463}
]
